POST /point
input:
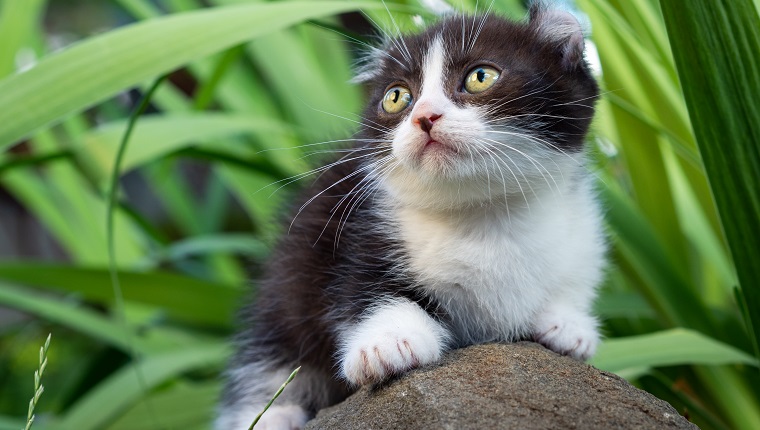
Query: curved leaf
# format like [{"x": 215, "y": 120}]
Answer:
[
  {"x": 191, "y": 300},
  {"x": 157, "y": 135},
  {"x": 666, "y": 348},
  {"x": 101, "y": 66}
]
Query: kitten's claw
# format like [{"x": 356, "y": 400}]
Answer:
[
  {"x": 387, "y": 355},
  {"x": 568, "y": 333}
]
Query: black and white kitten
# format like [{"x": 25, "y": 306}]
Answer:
[{"x": 463, "y": 215}]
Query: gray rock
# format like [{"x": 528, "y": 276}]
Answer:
[{"x": 502, "y": 386}]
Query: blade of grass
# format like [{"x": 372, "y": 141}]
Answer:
[
  {"x": 157, "y": 135},
  {"x": 667, "y": 348},
  {"x": 119, "y": 310},
  {"x": 720, "y": 72},
  {"x": 72, "y": 316},
  {"x": 190, "y": 300},
  {"x": 182, "y": 406},
  {"x": 276, "y": 395},
  {"x": 103, "y": 404},
  {"x": 137, "y": 52},
  {"x": 18, "y": 22}
]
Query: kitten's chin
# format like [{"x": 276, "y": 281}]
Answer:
[
  {"x": 418, "y": 188},
  {"x": 432, "y": 159}
]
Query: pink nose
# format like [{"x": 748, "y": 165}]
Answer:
[{"x": 426, "y": 122}]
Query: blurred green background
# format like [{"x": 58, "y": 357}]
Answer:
[{"x": 250, "y": 86}]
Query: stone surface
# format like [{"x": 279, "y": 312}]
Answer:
[{"x": 502, "y": 386}]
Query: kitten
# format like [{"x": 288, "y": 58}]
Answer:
[{"x": 462, "y": 215}]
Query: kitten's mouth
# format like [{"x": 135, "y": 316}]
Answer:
[{"x": 434, "y": 145}]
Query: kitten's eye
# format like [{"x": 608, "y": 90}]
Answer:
[
  {"x": 480, "y": 79},
  {"x": 397, "y": 99}
]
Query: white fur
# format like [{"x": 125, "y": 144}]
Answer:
[
  {"x": 395, "y": 336},
  {"x": 504, "y": 232},
  {"x": 502, "y": 277}
]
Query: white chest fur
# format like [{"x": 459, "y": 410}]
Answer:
[{"x": 494, "y": 273}]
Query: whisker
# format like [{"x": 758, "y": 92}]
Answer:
[
  {"x": 338, "y": 182},
  {"x": 517, "y": 181},
  {"x": 320, "y": 170},
  {"x": 503, "y": 182},
  {"x": 369, "y": 188},
  {"x": 535, "y": 163},
  {"x": 371, "y": 168}
]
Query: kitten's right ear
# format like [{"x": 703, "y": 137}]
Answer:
[{"x": 561, "y": 29}]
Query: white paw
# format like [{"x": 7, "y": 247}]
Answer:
[
  {"x": 568, "y": 333},
  {"x": 393, "y": 339},
  {"x": 289, "y": 417}
]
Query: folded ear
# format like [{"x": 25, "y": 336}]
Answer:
[
  {"x": 368, "y": 66},
  {"x": 560, "y": 29}
]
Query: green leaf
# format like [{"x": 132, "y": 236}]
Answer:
[
  {"x": 157, "y": 135},
  {"x": 720, "y": 73},
  {"x": 243, "y": 244},
  {"x": 120, "y": 391},
  {"x": 101, "y": 66},
  {"x": 18, "y": 21},
  {"x": 181, "y": 406},
  {"x": 191, "y": 300},
  {"x": 77, "y": 318},
  {"x": 665, "y": 289},
  {"x": 666, "y": 348},
  {"x": 11, "y": 423}
]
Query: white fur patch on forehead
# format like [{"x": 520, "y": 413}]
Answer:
[{"x": 432, "y": 70}]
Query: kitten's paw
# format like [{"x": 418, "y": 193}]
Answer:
[
  {"x": 393, "y": 339},
  {"x": 288, "y": 417},
  {"x": 389, "y": 354},
  {"x": 568, "y": 333}
]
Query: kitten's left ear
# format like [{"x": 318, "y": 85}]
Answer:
[{"x": 561, "y": 29}]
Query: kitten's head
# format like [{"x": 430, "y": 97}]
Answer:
[{"x": 478, "y": 108}]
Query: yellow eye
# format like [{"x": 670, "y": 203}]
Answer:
[
  {"x": 480, "y": 79},
  {"x": 397, "y": 99}
]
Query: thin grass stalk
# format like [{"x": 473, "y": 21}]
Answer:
[
  {"x": 276, "y": 395},
  {"x": 119, "y": 308},
  {"x": 38, "y": 388}
]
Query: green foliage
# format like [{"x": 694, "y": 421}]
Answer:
[
  {"x": 726, "y": 110},
  {"x": 259, "y": 85}
]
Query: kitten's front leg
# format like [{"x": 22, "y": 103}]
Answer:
[
  {"x": 392, "y": 338},
  {"x": 567, "y": 330}
]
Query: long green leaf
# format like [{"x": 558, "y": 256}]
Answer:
[
  {"x": 117, "y": 393},
  {"x": 86, "y": 321},
  {"x": 191, "y": 300},
  {"x": 158, "y": 135},
  {"x": 716, "y": 45},
  {"x": 101, "y": 66},
  {"x": 183, "y": 406},
  {"x": 667, "y": 348},
  {"x": 18, "y": 20}
]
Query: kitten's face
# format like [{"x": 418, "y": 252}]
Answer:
[{"x": 478, "y": 108}]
